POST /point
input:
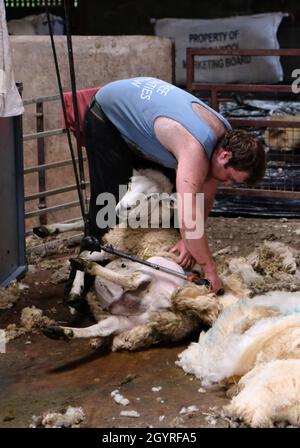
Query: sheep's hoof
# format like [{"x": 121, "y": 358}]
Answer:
[
  {"x": 97, "y": 343},
  {"x": 58, "y": 333},
  {"x": 77, "y": 302},
  {"x": 121, "y": 342},
  {"x": 41, "y": 231},
  {"x": 73, "y": 300}
]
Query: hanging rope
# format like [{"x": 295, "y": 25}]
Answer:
[{"x": 79, "y": 178}]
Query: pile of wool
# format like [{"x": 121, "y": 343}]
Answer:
[
  {"x": 273, "y": 256},
  {"x": 254, "y": 330},
  {"x": 71, "y": 418},
  {"x": 32, "y": 318},
  {"x": 10, "y": 295},
  {"x": 256, "y": 342},
  {"x": 271, "y": 266},
  {"x": 61, "y": 274},
  {"x": 269, "y": 394}
]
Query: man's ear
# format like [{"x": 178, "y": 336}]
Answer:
[{"x": 226, "y": 155}]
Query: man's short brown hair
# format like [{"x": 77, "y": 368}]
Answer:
[{"x": 248, "y": 154}]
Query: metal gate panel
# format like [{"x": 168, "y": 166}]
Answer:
[{"x": 12, "y": 227}]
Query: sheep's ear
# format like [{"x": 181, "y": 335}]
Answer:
[{"x": 135, "y": 172}]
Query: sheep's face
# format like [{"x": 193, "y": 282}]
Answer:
[{"x": 143, "y": 202}]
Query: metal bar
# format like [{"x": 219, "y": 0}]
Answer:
[
  {"x": 243, "y": 52},
  {"x": 192, "y": 52},
  {"x": 52, "y": 192},
  {"x": 41, "y": 160},
  {"x": 214, "y": 99},
  {"x": 40, "y": 99},
  {"x": 36, "y": 135},
  {"x": 51, "y": 209},
  {"x": 289, "y": 157},
  {"x": 281, "y": 88},
  {"x": 260, "y": 193},
  {"x": 190, "y": 74},
  {"x": 257, "y": 122},
  {"x": 173, "y": 57},
  {"x": 49, "y": 166}
]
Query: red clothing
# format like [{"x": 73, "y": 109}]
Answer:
[{"x": 84, "y": 96}]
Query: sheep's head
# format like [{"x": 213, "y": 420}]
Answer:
[{"x": 147, "y": 200}]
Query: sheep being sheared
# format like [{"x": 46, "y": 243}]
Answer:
[
  {"x": 130, "y": 296},
  {"x": 146, "y": 187},
  {"x": 148, "y": 195},
  {"x": 134, "y": 314},
  {"x": 143, "y": 306}
]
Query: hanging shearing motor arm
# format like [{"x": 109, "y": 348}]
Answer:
[
  {"x": 74, "y": 94},
  {"x": 79, "y": 177}
]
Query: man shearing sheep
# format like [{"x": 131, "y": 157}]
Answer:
[{"x": 148, "y": 122}]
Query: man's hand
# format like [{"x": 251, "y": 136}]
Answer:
[
  {"x": 211, "y": 274},
  {"x": 185, "y": 259}
]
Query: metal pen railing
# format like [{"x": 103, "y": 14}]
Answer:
[
  {"x": 43, "y": 193},
  {"x": 215, "y": 90}
]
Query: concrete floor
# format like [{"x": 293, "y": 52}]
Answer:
[{"x": 51, "y": 375}]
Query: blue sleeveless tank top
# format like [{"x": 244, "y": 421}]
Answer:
[{"x": 132, "y": 105}]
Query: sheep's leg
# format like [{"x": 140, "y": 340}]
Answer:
[
  {"x": 74, "y": 294},
  {"x": 172, "y": 325},
  {"x": 97, "y": 343},
  {"x": 77, "y": 288},
  {"x": 95, "y": 256},
  {"x": 140, "y": 336},
  {"x": 195, "y": 301},
  {"x": 162, "y": 325},
  {"x": 104, "y": 328},
  {"x": 128, "y": 282},
  {"x": 51, "y": 229}
]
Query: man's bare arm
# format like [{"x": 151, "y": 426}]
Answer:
[
  {"x": 191, "y": 178},
  {"x": 209, "y": 190}
]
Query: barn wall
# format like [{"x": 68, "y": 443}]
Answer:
[{"x": 98, "y": 60}]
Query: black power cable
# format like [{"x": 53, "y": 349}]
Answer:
[
  {"x": 74, "y": 95},
  {"x": 80, "y": 182}
]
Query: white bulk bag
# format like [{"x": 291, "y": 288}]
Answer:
[{"x": 240, "y": 32}]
